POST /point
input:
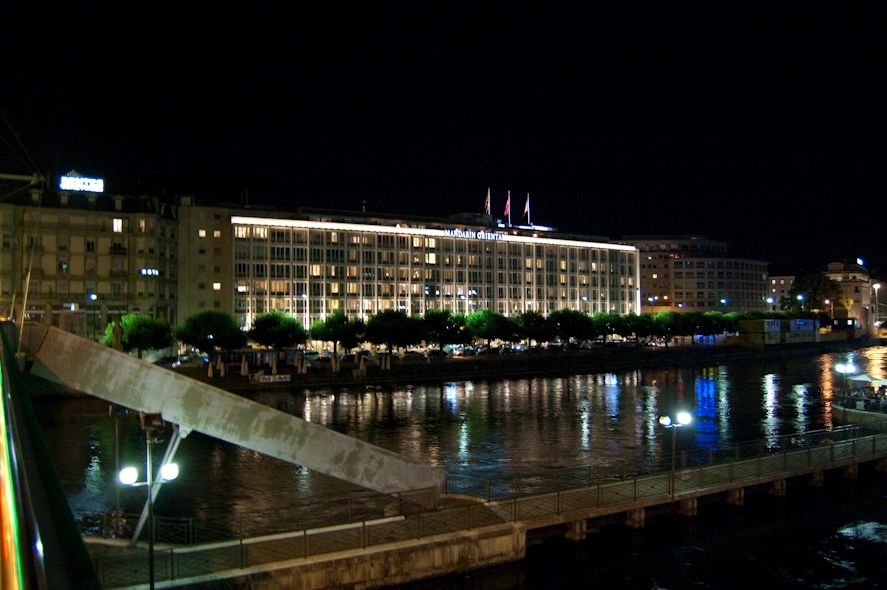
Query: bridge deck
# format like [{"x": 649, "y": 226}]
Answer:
[{"x": 122, "y": 379}]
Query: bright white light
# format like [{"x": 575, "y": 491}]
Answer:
[
  {"x": 128, "y": 476},
  {"x": 169, "y": 471},
  {"x": 684, "y": 418},
  {"x": 81, "y": 183},
  {"x": 665, "y": 420}
]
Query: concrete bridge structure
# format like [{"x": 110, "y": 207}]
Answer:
[{"x": 119, "y": 378}]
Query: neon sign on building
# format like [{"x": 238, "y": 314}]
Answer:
[{"x": 81, "y": 184}]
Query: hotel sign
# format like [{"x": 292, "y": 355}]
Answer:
[
  {"x": 470, "y": 234},
  {"x": 82, "y": 184}
]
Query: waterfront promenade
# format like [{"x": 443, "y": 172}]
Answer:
[{"x": 497, "y": 366}]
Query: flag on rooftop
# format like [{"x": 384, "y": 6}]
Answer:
[
  {"x": 527, "y": 206},
  {"x": 508, "y": 204},
  {"x": 487, "y": 206}
]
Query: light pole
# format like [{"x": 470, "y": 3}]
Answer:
[
  {"x": 684, "y": 418},
  {"x": 129, "y": 475},
  {"x": 843, "y": 369},
  {"x": 876, "y": 287},
  {"x": 831, "y": 305},
  {"x": 92, "y": 298},
  {"x": 801, "y": 299}
]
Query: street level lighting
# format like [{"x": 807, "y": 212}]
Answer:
[
  {"x": 129, "y": 475},
  {"x": 876, "y": 287},
  {"x": 831, "y": 305},
  {"x": 843, "y": 369},
  {"x": 684, "y": 418},
  {"x": 92, "y": 298},
  {"x": 801, "y": 299}
]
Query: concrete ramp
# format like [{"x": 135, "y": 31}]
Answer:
[{"x": 122, "y": 379}]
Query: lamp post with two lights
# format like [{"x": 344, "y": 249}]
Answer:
[
  {"x": 683, "y": 418},
  {"x": 129, "y": 476}
]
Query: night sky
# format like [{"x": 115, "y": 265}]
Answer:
[{"x": 760, "y": 126}]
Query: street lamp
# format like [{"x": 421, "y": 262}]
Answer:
[
  {"x": 129, "y": 475},
  {"x": 92, "y": 298},
  {"x": 843, "y": 369},
  {"x": 684, "y": 418},
  {"x": 801, "y": 299},
  {"x": 876, "y": 287},
  {"x": 831, "y": 305}
]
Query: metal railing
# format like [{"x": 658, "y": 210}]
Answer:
[
  {"x": 740, "y": 465},
  {"x": 41, "y": 545}
]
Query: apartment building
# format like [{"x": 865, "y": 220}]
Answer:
[
  {"x": 695, "y": 273},
  {"x": 76, "y": 256}
]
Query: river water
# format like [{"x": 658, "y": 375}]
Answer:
[{"x": 487, "y": 433}]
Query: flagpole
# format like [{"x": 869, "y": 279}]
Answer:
[
  {"x": 509, "y": 208},
  {"x": 529, "y": 222}
]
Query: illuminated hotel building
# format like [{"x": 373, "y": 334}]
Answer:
[{"x": 314, "y": 262}]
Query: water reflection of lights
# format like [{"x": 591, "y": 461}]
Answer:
[
  {"x": 801, "y": 397},
  {"x": 706, "y": 412},
  {"x": 770, "y": 423}
]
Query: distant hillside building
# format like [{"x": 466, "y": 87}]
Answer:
[{"x": 694, "y": 273}]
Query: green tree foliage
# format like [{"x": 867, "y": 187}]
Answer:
[
  {"x": 211, "y": 330},
  {"x": 536, "y": 327},
  {"x": 570, "y": 324},
  {"x": 441, "y": 327},
  {"x": 638, "y": 326},
  {"x": 140, "y": 332},
  {"x": 606, "y": 324},
  {"x": 338, "y": 329},
  {"x": 489, "y": 325},
  {"x": 276, "y": 329},
  {"x": 394, "y": 329},
  {"x": 815, "y": 289}
]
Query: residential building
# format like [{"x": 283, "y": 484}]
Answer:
[
  {"x": 857, "y": 291},
  {"x": 80, "y": 257},
  {"x": 696, "y": 274},
  {"x": 780, "y": 288}
]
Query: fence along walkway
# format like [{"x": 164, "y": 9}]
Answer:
[{"x": 699, "y": 474}]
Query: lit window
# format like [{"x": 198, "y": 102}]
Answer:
[
  {"x": 217, "y": 286},
  {"x": 201, "y": 233},
  {"x": 217, "y": 233},
  {"x": 117, "y": 226}
]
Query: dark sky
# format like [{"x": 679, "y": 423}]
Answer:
[{"x": 757, "y": 125}]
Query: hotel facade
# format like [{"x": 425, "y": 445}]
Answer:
[{"x": 314, "y": 262}]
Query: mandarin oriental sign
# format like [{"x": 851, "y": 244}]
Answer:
[
  {"x": 82, "y": 184},
  {"x": 470, "y": 234}
]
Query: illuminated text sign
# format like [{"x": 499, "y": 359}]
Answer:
[
  {"x": 81, "y": 183},
  {"x": 470, "y": 234}
]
